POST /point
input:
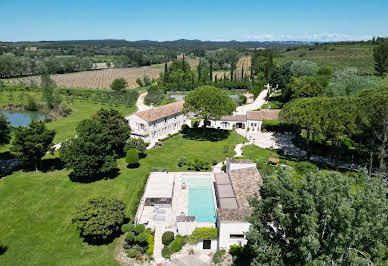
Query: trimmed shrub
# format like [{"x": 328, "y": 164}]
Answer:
[
  {"x": 139, "y": 228},
  {"x": 132, "y": 157},
  {"x": 127, "y": 228},
  {"x": 141, "y": 238},
  {"x": 167, "y": 237},
  {"x": 218, "y": 256},
  {"x": 130, "y": 236},
  {"x": 151, "y": 243},
  {"x": 177, "y": 244},
  {"x": 203, "y": 233},
  {"x": 166, "y": 252},
  {"x": 278, "y": 126},
  {"x": 235, "y": 250},
  {"x": 133, "y": 252},
  {"x": 182, "y": 161}
]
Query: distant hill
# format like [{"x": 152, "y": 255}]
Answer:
[{"x": 145, "y": 44}]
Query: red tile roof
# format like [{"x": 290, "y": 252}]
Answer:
[{"x": 161, "y": 112}]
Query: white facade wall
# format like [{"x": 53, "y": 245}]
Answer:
[
  {"x": 254, "y": 125},
  {"x": 236, "y": 166},
  {"x": 225, "y": 230},
  {"x": 155, "y": 130},
  {"x": 199, "y": 245}
]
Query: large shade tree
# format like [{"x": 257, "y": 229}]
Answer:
[
  {"x": 329, "y": 219},
  {"x": 208, "y": 103},
  {"x": 31, "y": 143},
  {"x": 90, "y": 154},
  {"x": 116, "y": 126}
]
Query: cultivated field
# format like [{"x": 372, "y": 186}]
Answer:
[
  {"x": 97, "y": 79},
  {"x": 337, "y": 56},
  {"x": 102, "y": 79},
  {"x": 244, "y": 61}
]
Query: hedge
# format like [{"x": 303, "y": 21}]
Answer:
[
  {"x": 279, "y": 126},
  {"x": 203, "y": 233},
  {"x": 177, "y": 244},
  {"x": 151, "y": 243}
]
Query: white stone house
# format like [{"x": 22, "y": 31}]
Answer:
[
  {"x": 233, "y": 190},
  {"x": 252, "y": 120},
  {"x": 158, "y": 122}
]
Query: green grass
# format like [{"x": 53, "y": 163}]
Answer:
[
  {"x": 65, "y": 126},
  {"x": 337, "y": 56},
  {"x": 36, "y": 208}
]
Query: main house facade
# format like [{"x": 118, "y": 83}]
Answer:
[{"x": 158, "y": 122}]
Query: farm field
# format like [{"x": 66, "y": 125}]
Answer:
[
  {"x": 337, "y": 56},
  {"x": 37, "y": 207},
  {"x": 101, "y": 79},
  {"x": 244, "y": 61},
  {"x": 96, "y": 79}
]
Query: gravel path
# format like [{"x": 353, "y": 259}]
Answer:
[
  {"x": 140, "y": 103},
  {"x": 260, "y": 100}
]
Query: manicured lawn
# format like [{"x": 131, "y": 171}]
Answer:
[
  {"x": 65, "y": 126},
  {"x": 36, "y": 208}
]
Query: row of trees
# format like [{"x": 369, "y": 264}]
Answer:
[
  {"x": 14, "y": 66},
  {"x": 362, "y": 118}
]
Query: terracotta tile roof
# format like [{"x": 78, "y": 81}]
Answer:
[
  {"x": 238, "y": 118},
  {"x": 161, "y": 112},
  {"x": 263, "y": 115},
  {"x": 245, "y": 184},
  {"x": 233, "y": 215}
]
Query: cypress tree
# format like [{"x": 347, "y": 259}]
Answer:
[
  {"x": 215, "y": 79},
  {"x": 242, "y": 73},
  {"x": 199, "y": 70},
  {"x": 165, "y": 73},
  {"x": 211, "y": 71},
  {"x": 231, "y": 72},
  {"x": 183, "y": 63}
]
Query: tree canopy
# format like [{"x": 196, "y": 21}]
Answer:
[
  {"x": 319, "y": 219},
  {"x": 31, "y": 143},
  {"x": 119, "y": 84},
  {"x": 208, "y": 103},
  {"x": 90, "y": 154},
  {"x": 116, "y": 126},
  {"x": 98, "y": 219},
  {"x": 5, "y": 130},
  {"x": 380, "y": 55}
]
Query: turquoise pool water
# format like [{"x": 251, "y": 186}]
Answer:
[{"x": 201, "y": 201}]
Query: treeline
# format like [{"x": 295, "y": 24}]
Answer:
[
  {"x": 361, "y": 118},
  {"x": 15, "y": 66}
]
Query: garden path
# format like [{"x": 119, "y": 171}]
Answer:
[{"x": 140, "y": 103}]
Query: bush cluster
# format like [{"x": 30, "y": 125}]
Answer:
[
  {"x": 198, "y": 165},
  {"x": 138, "y": 240},
  {"x": 166, "y": 252},
  {"x": 218, "y": 256}
]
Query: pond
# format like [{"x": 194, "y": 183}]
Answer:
[{"x": 23, "y": 118}]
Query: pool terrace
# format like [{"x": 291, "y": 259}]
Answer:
[{"x": 178, "y": 202}]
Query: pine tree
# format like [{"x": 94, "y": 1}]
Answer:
[
  {"x": 165, "y": 73},
  {"x": 211, "y": 71}
]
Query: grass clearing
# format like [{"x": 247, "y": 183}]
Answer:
[{"x": 36, "y": 208}]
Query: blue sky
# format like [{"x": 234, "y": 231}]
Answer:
[{"x": 325, "y": 20}]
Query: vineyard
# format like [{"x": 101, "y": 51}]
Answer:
[
  {"x": 97, "y": 79},
  {"x": 244, "y": 61},
  {"x": 336, "y": 56}
]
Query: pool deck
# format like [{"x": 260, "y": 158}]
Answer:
[{"x": 180, "y": 205}]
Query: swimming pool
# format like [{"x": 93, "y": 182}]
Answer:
[{"x": 201, "y": 200}]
